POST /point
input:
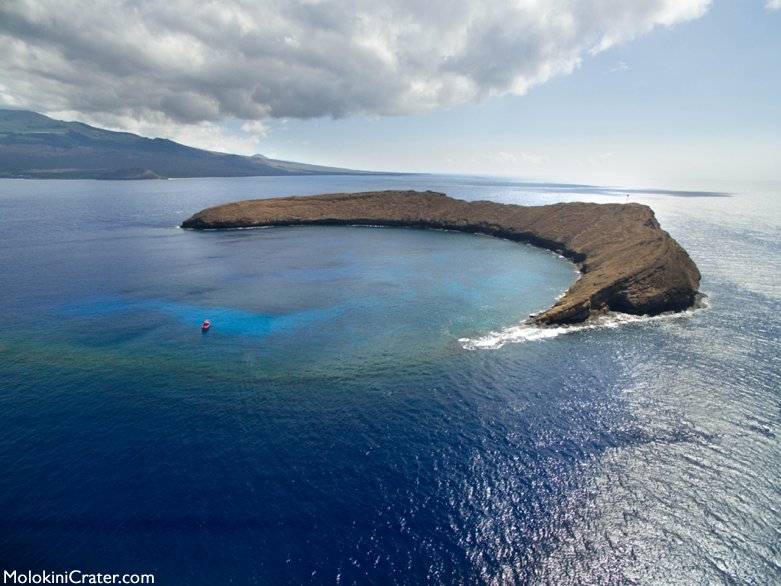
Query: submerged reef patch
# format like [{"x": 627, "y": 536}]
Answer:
[{"x": 627, "y": 263}]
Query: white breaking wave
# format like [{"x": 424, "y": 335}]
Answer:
[{"x": 528, "y": 332}]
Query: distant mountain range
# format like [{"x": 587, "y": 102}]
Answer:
[{"x": 35, "y": 146}]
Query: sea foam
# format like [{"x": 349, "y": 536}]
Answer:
[{"x": 528, "y": 332}]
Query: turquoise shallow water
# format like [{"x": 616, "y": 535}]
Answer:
[{"x": 365, "y": 408}]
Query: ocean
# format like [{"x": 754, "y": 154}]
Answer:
[{"x": 368, "y": 407}]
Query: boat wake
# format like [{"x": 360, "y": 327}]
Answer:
[{"x": 527, "y": 332}]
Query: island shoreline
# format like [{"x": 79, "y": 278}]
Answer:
[{"x": 627, "y": 263}]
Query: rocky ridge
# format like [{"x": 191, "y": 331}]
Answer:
[{"x": 626, "y": 261}]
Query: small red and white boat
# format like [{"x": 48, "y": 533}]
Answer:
[{"x": 206, "y": 325}]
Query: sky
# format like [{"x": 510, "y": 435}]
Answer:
[{"x": 600, "y": 91}]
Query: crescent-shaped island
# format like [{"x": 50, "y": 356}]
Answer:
[{"x": 626, "y": 261}]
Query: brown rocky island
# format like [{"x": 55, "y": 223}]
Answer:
[{"x": 627, "y": 262}]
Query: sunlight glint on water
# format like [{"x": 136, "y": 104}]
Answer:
[{"x": 368, "y": 406}]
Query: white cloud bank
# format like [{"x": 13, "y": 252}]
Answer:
[{"x": 194, "y": 62}]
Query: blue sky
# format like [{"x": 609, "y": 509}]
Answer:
[
  {"x": 698, "y": 101},
  {"x": 603, "y": 91}
]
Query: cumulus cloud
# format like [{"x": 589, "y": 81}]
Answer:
[
  {"x": 200, "y": 61},
  {"x": 247, "y": 140},
  {"x": 773, "y": 4}
]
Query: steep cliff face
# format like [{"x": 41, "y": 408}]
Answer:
[{"x": 627, "y": 262}]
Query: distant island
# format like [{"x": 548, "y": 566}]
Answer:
[
  {"x": 627, "y": 262},
  {"x": 34, "y": 146}
]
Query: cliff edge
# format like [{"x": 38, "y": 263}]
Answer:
[{"x": 627, "y": 262}]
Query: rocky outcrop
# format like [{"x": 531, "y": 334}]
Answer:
[{"x": 627, "y": 262}]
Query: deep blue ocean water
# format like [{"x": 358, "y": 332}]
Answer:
[{"x": 366, "y": 408}]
